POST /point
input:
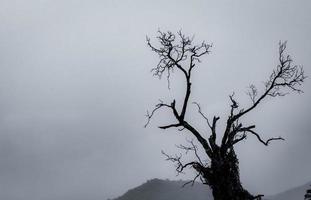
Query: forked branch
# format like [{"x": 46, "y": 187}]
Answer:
[
  {"x": 286, "y": 77},
  {"x": 198, "y": 165},
  {"x": 183, "y": 55}
]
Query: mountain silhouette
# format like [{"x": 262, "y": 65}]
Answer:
[
  {"x": 158, "y": 189},
  {"x": 292, "y": 194}
]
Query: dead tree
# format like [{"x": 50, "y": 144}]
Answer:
[{"x": 221, "y": 171}]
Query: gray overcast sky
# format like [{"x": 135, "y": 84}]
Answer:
[{"x": 75, "y": 84}]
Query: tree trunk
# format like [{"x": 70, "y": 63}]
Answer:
[{"x": 224, "y": 178}]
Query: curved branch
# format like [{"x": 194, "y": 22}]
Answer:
[
  {"x": 157, "y": 107},
  {"x": 180, "y": 167},
  {"x": 266, "y": 143}
]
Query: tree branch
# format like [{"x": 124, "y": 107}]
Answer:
[
  {"x": 202, "y": 114},
  {"x": 159, "y": 106},
  {"x": 266, "y": 143},
  {"x": 285, "y": 76},
  {"x": 198, "y": 136},
  {"x": 178, "y": 163},
  {"x": 193, "y": 148},
  {"x": 171, "y": 54},
  {"x": 169, "y": 126}
]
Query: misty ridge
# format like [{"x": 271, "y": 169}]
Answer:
[
  {"x": 155, "y": 189},
  {"x": 161, "y": 100}
]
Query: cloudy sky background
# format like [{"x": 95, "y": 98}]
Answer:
[{"x": 75, "y": 84}]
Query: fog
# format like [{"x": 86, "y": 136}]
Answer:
[{"x": 75, "y": 85}]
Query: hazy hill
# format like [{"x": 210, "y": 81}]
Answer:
[
  {"x": 157, "y": 189},
  {"x": 292, "y": 194}
]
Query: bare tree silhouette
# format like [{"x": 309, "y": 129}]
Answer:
[{"x": 221, "y": 171}]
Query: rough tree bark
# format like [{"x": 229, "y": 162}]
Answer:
[{"x": 221, "y": 171}]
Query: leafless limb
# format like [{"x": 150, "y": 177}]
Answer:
[
  {"x": 231, "y": 124},
  {"x": 202, "y": 114},
  {"x": 192, "y": 181},
  {"x": 192, "y": 148},
  {"x": 285, "y": 77},
  {"x": 181, "y": 129},
  {"x": 172, "y": 52},
  {"x": 266, "y": 143},
  {"x": 249, "y": 129},
  {"x": 178, "y": 52},
  {"x": 212, "y": 138},
  {"x": 180, "y": 166},
  {"x": 177, "y": 159},
  {"x": 252, "y": 93},
  {"x": 157, "y": 107}
]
